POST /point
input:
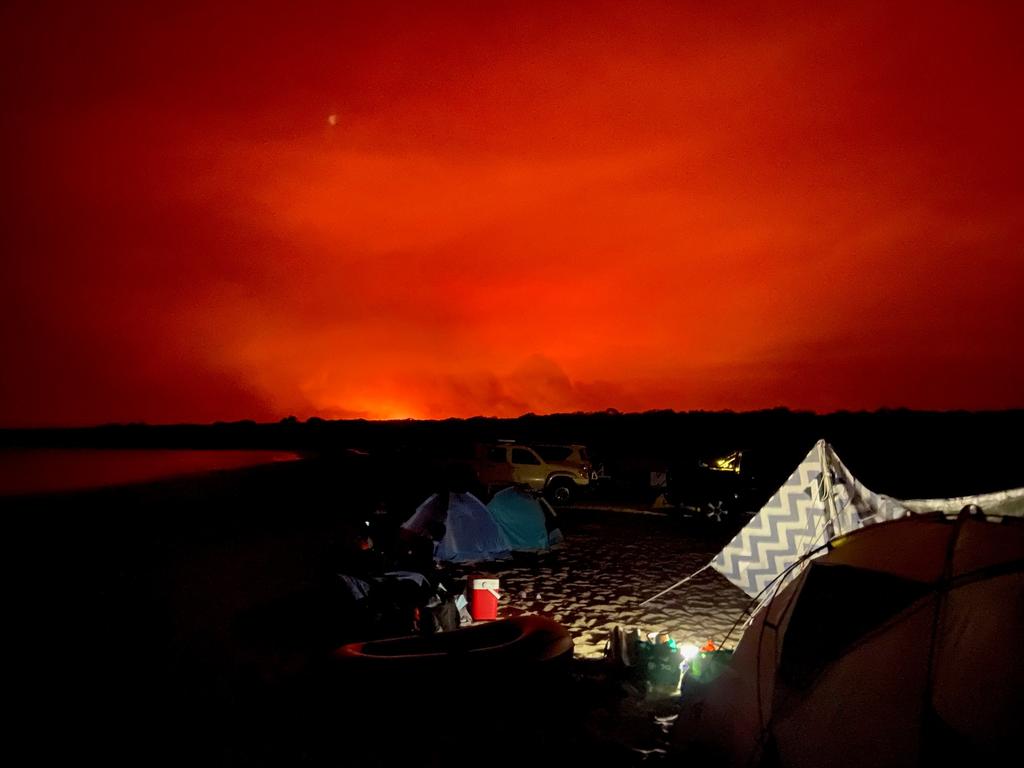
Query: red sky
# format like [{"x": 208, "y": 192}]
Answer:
[{"x": 526, "y": 207}]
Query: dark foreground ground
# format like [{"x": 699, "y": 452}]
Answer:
[{"x": 188, "y": 622}]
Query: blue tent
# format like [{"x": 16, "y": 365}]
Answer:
[
  {"x": 470, "y": 533},
  {"x": 526, "y": 521}
]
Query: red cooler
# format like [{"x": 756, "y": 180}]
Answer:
[{"x": 483, "y": 597}]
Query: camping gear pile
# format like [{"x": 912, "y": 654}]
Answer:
[
  {"x": 881, "y": 633},
  {"x": 420, "y": 586},
  {"x": 652, "y": 662},
  {"x": 657, "y": 663},
  {"x": 704, "y": 666},
  {"x": 659, "y": 659}
]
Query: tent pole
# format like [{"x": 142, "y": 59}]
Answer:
[
  {"x": 826, "y": 476},
  {"x": 677, "y": 584}
]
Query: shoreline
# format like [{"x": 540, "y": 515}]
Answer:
[{"x": 50, "y": 471}]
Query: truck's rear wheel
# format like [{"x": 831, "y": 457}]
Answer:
[{"x": 560, "y": 492}]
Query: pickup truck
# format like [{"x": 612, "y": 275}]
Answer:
[{"x": 503, "y": 464}]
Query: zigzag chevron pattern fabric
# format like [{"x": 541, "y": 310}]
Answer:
[
  {"x": 854, "y": 502},
  {"x": 817, "y": 503},
  {"x": 793, "y": 522}
]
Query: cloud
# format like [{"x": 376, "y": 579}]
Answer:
[{"x": 517, "y": 209}]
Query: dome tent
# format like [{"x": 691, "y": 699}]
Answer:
[
  {"x": 895, "y": 647},
  {"x": 528, "y": 522},
  {"x": 470, "y": 533}
]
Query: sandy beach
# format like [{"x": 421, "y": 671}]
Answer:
[{"x": 610, "y": 563}]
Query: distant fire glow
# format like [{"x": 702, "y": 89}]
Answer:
[{"x": 364, "y": 211}]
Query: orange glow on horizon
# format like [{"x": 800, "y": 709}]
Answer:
[{"x": 392, "y": 212}]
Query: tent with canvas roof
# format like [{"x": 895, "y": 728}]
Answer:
[
  {"x": 883, "y": 630},
  {"x": 897, "y": 646},
  {"x": 470, "y": 533}
]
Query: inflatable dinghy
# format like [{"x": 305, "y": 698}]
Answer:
[{"x": 523, "y": 641}]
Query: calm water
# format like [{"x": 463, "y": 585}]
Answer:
[{"x": 44, "y": 471}]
